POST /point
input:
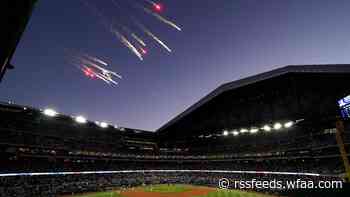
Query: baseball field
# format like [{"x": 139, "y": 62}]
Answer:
[{"x": 173, "y": 191}]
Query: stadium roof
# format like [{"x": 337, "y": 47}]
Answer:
[
  {"x": 332, "y": 68},
  {"x": 15, "y": 15}
]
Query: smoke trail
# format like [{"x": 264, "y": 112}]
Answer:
[
  {"x": 76, "y": 54},
  {"x": 158, "y": 40},
  {"x": 144, "y": 29},
  {"x": 127, "y": 43},
  {"x": 149, "y": 33},
  {"x": 161, "y": 18},
  {"x": 138, "y": 39},
  {"x": 106, "y": 72},
  {"x": 133, "y": 35},
  {"x": 96, "y": 59},
  {"x": 88, "y": 62},
  {"x": 151, "y": 2},
  {"x": 117, "y": 75}
]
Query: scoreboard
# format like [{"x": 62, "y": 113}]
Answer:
[{"x": 344, "y": 105}]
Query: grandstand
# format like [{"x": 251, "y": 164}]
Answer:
[
  {"x": 278, "y": 121},
  {"x": 275, "y": 125},
  {"x": 285, "y": 113}
]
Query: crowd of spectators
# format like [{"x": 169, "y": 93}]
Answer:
[
  {"x": 30, "y": 142},
  {"x": 55, "y": 185}
]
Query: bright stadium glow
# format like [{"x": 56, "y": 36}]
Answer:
[
  {"x": 151, "y": 171},
  {"x": 254, "y": 130},
  {"x": 50, "y": 112},
  {"x": 277, "y": 126},
  {"x": 103, "y": 125},
  {"x": 80, "y": 119},
  {"x": 266, "y": 128},
  {"x": 288, "y": 124}
]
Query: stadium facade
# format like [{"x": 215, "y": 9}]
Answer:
[{"x": 306, "y": 95}]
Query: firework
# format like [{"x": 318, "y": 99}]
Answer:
[
  {"x": 157, "y": 6},
  {"x": 131, "y": 34},
  {"x": 100, "y": 61},
  {"x": 149, "y": 33},
  {"x": 93, "y": 67},
  {"x": 151, "y": 2},
  {"x": 136, "y": 5},
  {"x": 80, "y": 56},
  {"x": 138, "y": 39},
  {"x": 160, "y": 18},
  {"x": 127, "y": 43},
  {"x": 112, "y": 28}
]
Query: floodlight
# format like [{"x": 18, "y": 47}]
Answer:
[
  {"x": 103, "y": 125},
  {"x": 225, "y": 133},
  {"x": 244, "y": 130},
  {"x": 277, "y": 126},
  {"x": 235, "y": 133},
  {"x": 80, "y": 119},
  {"x": 266, "y": 128},
  {"x": 288, "y": 124},
  {"x": 254, "y": 130},
  {"x": 50, "y": 112}
]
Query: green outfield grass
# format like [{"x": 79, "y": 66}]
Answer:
[
  {"x": 166, "y": 188},
  {"x": 173, "y": 189}
]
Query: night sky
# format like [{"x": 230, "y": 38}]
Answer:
[{"x": 221, "y": 41}]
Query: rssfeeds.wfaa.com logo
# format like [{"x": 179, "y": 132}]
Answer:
[{"x": 225, "y": 183}]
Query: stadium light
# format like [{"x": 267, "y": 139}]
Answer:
[
  {"x": 244, "y": 130},
  {"x": 288, "y": 124},
  {"x": 225, "y": 133},
  {"x": 80, "y": 119},
  {"x": 103, "y": 125},
  {"x": 254, "y": 130},
  {"x": 277, "y": 126},
  {"x": 266, "y": 128},
  {"x": 50, "y": 112},
  {"x": 233, "y": 131}
]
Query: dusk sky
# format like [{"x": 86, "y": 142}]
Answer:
[{"x": 221, "y": 41}]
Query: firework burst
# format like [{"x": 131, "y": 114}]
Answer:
[
  {"x": 126, "y": 26},
  {"x": 92, "y": 67},
  {"x": 123, "y": 22}
]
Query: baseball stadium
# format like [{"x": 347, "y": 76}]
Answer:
[{"x": 284, "y": 132}]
